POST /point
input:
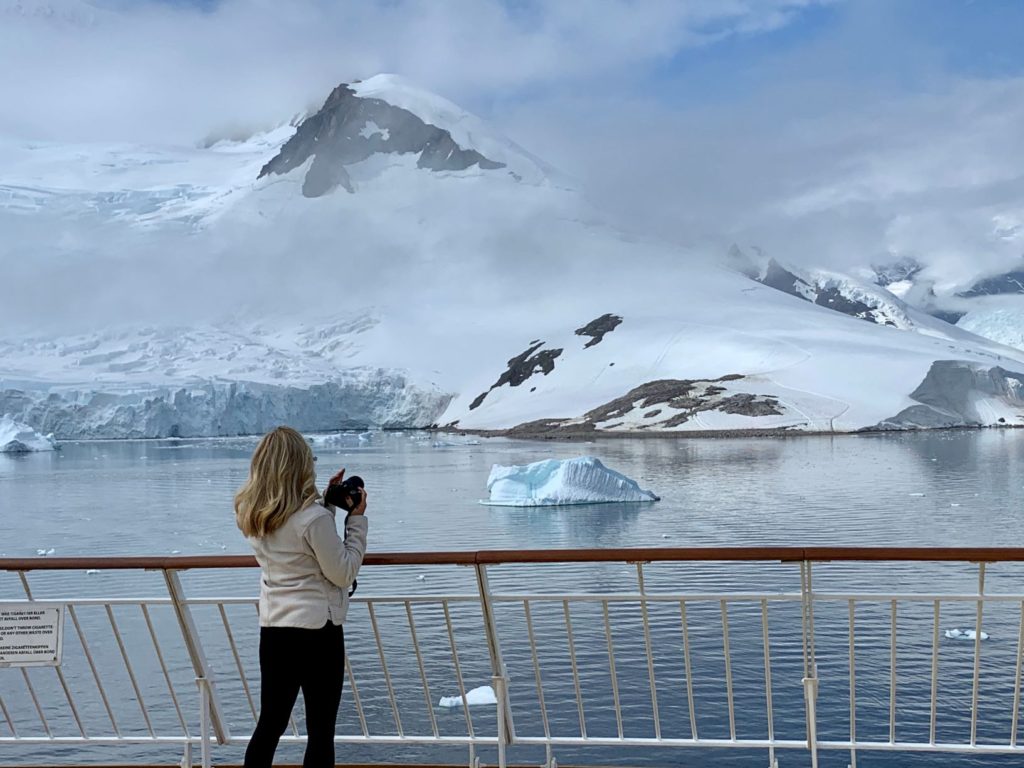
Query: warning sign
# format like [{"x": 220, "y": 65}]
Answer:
[{"x": 31, "y": 635}]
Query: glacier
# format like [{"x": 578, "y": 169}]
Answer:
[
  {"x": 213, "y": 409},
  {"x": 1001, "y": 324},
  {"x": 554, "y": 482},
  {"x": 16, "y": 437}
]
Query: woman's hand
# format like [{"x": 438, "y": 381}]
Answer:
[{"x": 361, "y": 506}]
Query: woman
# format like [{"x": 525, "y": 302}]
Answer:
[{"x": 307, "y": 570}]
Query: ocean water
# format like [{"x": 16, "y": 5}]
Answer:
[{"x": 961, "y": 488}]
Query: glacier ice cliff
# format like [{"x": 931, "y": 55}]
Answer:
[
  {"x": 218, "y": 408},
  {"x": 16, "y": 437}
]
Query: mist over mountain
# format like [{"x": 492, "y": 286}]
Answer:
[{"x": 392, "y": 260}]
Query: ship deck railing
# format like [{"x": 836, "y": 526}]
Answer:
[{"x": 178, "y": 670}]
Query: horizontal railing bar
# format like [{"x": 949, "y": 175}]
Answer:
[
  {"x": 613, "y": 597},
  {"x": 923, "y": 746},
  {"x": 880, "y": 597},
  {"x": 391, "y": 739},
  {"x": 649, "y": 597},
  {"x": 898, "y": 746},
  {"x": 103, "y": 601},
  {"x": 612, "y": 741},
  {"x": 540, "y": 556},
  {"x": 431, "y": 598},
  {"x": 104, "y": 740}
]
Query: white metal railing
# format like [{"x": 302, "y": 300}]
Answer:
[{"x": 625, "y": 670}]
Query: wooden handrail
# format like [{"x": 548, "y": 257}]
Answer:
[{"x": 540, "y": 556}]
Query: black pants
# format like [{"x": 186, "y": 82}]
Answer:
[{"x": 291, "y": 659}]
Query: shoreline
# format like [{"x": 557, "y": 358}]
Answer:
[{"x": 571, "y": 436}]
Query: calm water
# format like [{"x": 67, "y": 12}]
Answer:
[{"x": 940, "y": 489}]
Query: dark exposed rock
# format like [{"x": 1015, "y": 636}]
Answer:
[
  {"x": 904, "y": 269},
  {"x": 644, "y": 396},
  {"x": 948, "y": 394},
  {"x": 1007, "y": 283},
  {"x": 349, "y": 128},
  {"x": 947, "y": 315},
  {"x": 521, "y": 368},
  {"x": 686, "y": 397},
  {"x": 781, "y": 279},
  {"x": 596, "y": 329}
]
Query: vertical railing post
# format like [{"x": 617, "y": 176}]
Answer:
[
  {"x": 810, "y": 679},
  {"x": 499, "y": 674},
  {"x": 204, "y": 721},
  {"x": 210, "y": 708}
]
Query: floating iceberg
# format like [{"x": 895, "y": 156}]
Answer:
[
  {"x": 481, "y": 696},
  {"x": 583, "y": 480},
  {"x": 16, "y": 437},
  {"x": 967, "y": 634}
]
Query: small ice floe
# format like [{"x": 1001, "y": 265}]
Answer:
[
  {"x": 954, "y": 504},
  {"x": 477, "y": 697},
  {"x": 553, "y": 482},
  {"x": 365, "y": 437},
  {"x": 966, "y": 634},
  {"x": 915, "y": 494},
  {"x": 665, "y": 536},
  {"x": 175, "y": 551},
  {"x": 91, "y": 571},
  {"x": 421, "y": 577},
  {"x": 45, "y": 552},
  {"x": 16, "y": 437}
]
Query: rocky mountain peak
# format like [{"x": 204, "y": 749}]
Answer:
[{"x": 350, "y": 128}]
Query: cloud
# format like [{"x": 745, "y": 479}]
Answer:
[
  {"x": 850, "y": 146},
  {"x": 148, "y": 71},
  {"x": 809, "y": 164}
]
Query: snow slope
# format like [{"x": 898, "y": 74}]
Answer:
[{"x": 426, "y": 288}]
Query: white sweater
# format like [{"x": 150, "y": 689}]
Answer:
[{"x": 307, "y": 568}]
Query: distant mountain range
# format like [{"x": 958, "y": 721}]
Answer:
[{"x": 500, "y": 300}]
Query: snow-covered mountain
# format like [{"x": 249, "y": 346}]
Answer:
[{"x": 391, "y": 260}]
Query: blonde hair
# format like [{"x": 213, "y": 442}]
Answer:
[{"x": 281, "y": 482}]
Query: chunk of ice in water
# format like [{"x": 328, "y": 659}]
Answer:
[
  {"x": 553, "y": 482},
  {"x": 966, "y": 634},
  {"x": 481, "y": 696}
]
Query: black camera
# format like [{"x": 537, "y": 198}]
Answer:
[{"x": 347, "y": 494}]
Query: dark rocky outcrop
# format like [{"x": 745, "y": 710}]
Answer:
[
  {"x": 682, "y": 398},
  {"x": 781, "y": 279},
  {"x": 1007, "y": 283},
  {"x": 905, "y": 268},
  {"x": 597, "y": 329},
  {"x": 349, "y": 128},
  {"x": 521, "y": 368},
  {"x": 948, "y": 393}
]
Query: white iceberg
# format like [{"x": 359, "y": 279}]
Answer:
[
  {"x": 481, "y": 696},
  {"x": 967, "y": 634},
  {"x": 583, "y": 480},
  {"x": 16, "y": 437}
]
